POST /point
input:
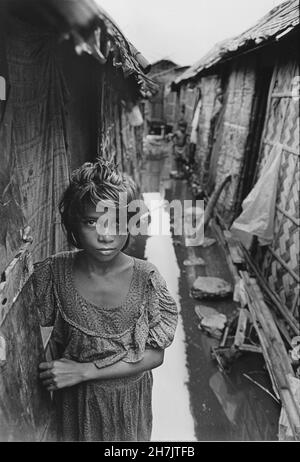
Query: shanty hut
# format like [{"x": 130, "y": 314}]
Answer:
[
  {"x": 161, "y": 109},
  {"x": 247, "y": 89},
  {"x": 249, "y": 103},
  {"x": 71, "y": 84}
]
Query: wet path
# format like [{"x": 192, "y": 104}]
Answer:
[
  {"x": 192, "y": 399},
  {"x": 170, "y": 379}
]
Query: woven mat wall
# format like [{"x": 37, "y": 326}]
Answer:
[
  {"x": 231, "y": 138},
  {"x": 117, "y": 139},
  {"x": 281, "y": 261},
  {"x": 210, "y": 109},
  {"x": 33, "y": 155}
]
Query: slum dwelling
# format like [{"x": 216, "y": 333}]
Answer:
[
  {"x": 161, "y": 108},
  {"x": 242, "y": 107},
  {"x": 71, "y": 87}
]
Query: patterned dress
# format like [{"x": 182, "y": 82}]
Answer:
[{"x": 116, "y": 409}]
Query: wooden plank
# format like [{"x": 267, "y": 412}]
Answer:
[
  {"x": 295, "y": 302},
  {"x": 234, "y": 248},
  {"x": 250, "y": 348},
  {"x": 13, "y": 279},
  {"x": 241, "y": 328},
  {"x": 283, "y": 329},
  {"x": 225, "y": 335},
  {"x": 273, "y": 333},
  {"x": 263, "y": 343},
  {"x": 275, "y": 354}
]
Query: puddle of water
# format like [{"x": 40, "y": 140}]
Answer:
[
  {"x": 172, "y": 419},
  {"x": 223, "y": 408}
]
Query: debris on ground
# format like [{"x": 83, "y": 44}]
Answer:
[
  {"x": 193, "y": 260},
  {"x": 208, "y": 242},
  {"x": 177, "y": 175},
  {"x": 239, "y": 336},
  {"x": 210, "y": 287},
  {"x": 211, "y": 321}
]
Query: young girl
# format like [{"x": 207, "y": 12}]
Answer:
[{"x": 112, "y": 314}]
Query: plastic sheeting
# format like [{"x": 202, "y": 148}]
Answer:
[{"x": 258, "y": 213}]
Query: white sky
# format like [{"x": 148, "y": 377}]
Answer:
[{"x": 183, "y": 31}]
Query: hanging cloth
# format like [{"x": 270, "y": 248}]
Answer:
[
  {"x": 195, "y": 123},
  {"x": 258, "y": 213}
]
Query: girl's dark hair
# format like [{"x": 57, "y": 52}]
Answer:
[{"x": 91, "y": 183}]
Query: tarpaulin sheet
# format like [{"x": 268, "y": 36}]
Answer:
[{"x": 34, "y": 162}]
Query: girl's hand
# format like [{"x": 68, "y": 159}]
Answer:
[{"x": 62, "y": 373}]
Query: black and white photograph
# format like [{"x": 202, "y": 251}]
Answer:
[{"x": 149, "y": 224}]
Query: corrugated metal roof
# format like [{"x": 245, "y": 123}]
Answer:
[{"x": 274, "y": 25}]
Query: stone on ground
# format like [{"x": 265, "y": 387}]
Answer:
[
  {"x": 203, "y": 311},
  {"x": 210, "y": 287},
  {"x": 194, "y": 261},
  {"x": 211, "y": 321}
]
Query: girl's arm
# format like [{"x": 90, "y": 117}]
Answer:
[{"x": 66, "y": 373}]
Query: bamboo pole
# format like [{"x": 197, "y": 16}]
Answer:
[
  {"x": 275, "y": 355},
  {"x": 296, "y": 221},
  {"x": 279, "y": 305},
  {"x": 282, "y": 262},
  {"x": 296, "y": 301},
  {"x": 260, "y": 386},
  {"x": 263, "y": 342}
]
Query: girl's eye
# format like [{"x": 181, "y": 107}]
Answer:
[{"x": 90, "y": 223}]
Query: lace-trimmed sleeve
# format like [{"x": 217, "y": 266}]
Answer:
[
  {"x": 162, "y": 313},
  {"x": 43, "y": 288}
]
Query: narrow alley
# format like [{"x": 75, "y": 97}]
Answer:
[
  {"x": 190, "y": 110},
  {"x": 192, "y": 399}
]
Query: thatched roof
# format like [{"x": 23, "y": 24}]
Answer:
[
  {"x": 273, "y": 26},
  {"x": 94, "y": 32}
]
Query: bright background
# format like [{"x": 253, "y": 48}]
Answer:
[{"x": 183, "y": 31}]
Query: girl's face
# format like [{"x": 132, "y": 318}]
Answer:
[{"x": 103, "y": 246}]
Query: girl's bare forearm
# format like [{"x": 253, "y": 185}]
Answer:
[{"x": 151, "y": 359}]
